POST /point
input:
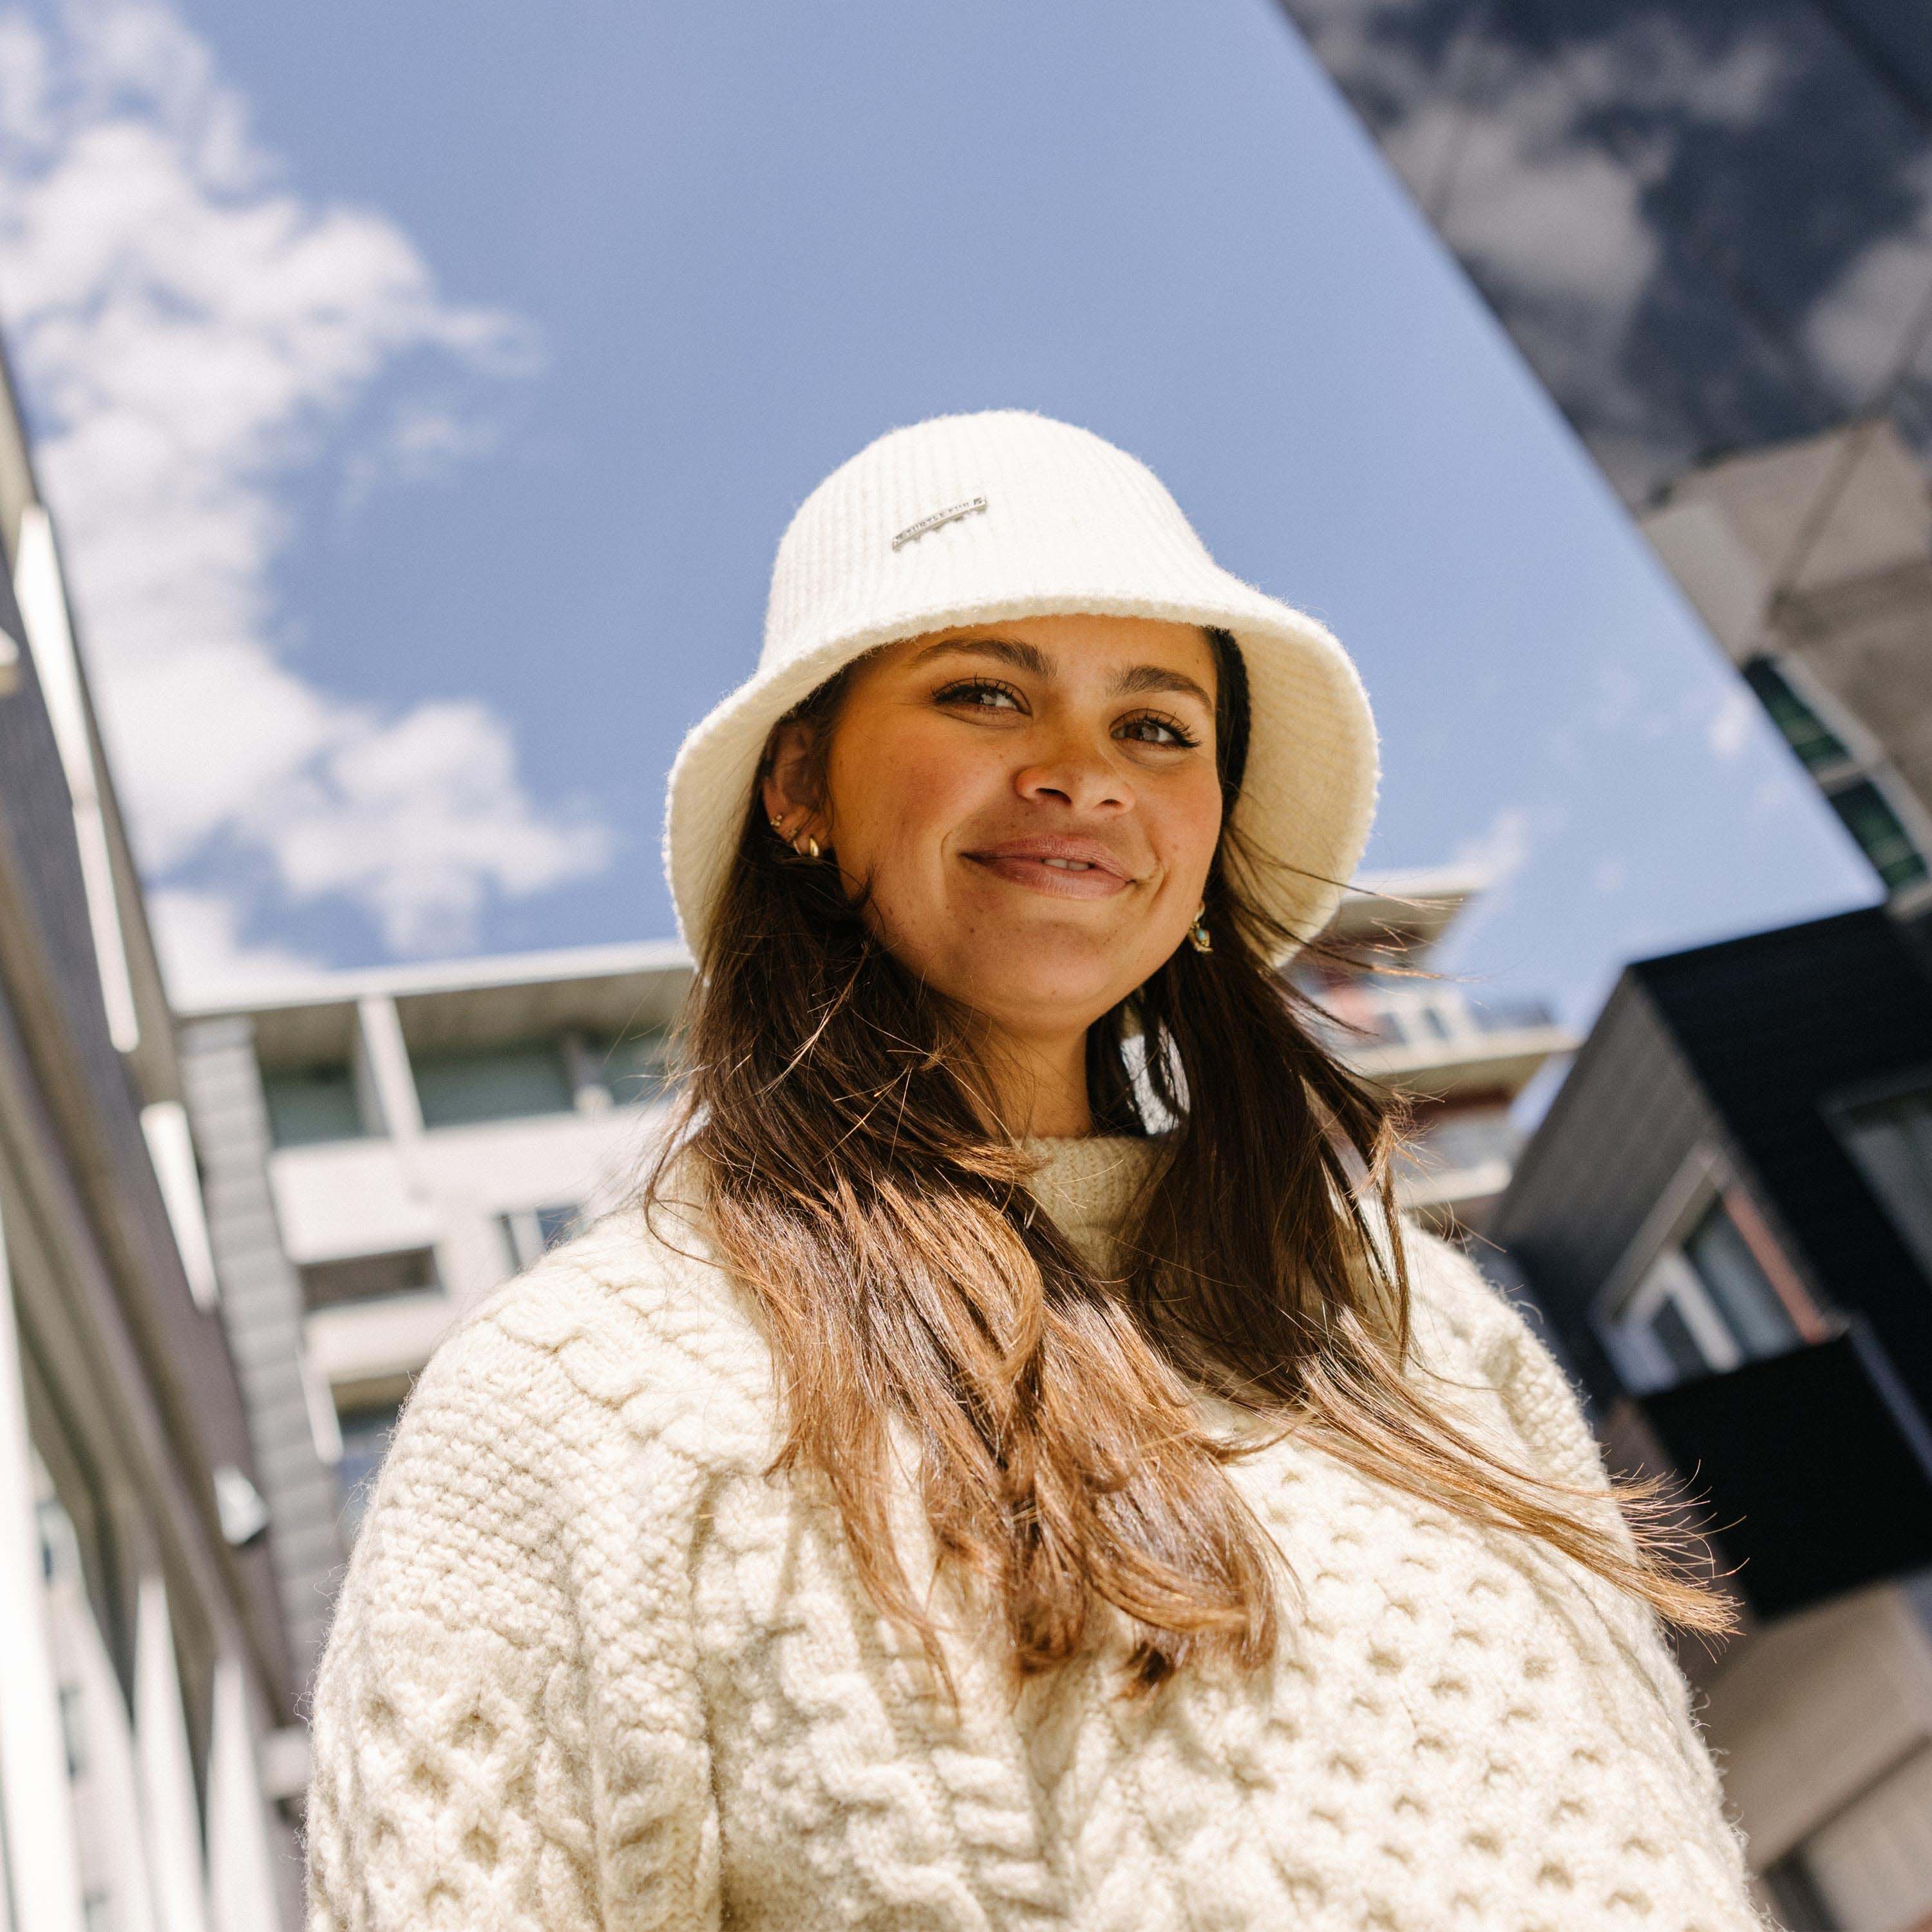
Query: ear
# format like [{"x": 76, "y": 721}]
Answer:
[{"x": 790, "y": 787}]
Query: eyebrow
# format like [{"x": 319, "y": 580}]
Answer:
[{"x": 1140, "y": 681}]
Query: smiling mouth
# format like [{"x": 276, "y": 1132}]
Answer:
[{"x": 1054, "y": 873}]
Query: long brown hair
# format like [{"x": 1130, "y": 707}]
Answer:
[{"x": 908, "y": 1278}]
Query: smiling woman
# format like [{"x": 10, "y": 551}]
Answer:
[
  {"x": 1013, "y": 1468},
  {"x": 1030, "y": 813}
]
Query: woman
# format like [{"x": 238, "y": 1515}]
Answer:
[{"x": 1013, "y": 1468}]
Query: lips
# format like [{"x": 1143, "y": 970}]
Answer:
[{"x": 1064, "y": 868}]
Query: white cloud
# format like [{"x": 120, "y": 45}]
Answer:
[
  {"x": 204, "y": 955},
  {"x": 1521, "y": 197},
  {"x": 1730, "y": 729},
  {"x": 1861, "y": 329},
  {"x": 419, "y": 817},
  {"x": 188, "y": 329},
  {"x": 1497, "y": 136},
  {"x": 421, "y": 444},
  {"x": 1514, "y": 836},
  {"x": 1502, "y": 848}
]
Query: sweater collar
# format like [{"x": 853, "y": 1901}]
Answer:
[{"x": 1087, "y": 1184}]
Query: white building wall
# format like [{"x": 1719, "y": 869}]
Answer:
[
  {"x": 403, "y": 1187},
  {"x": 42, "y": 1857}
]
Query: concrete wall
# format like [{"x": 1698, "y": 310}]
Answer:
[{"x": 262, "y": 1312}]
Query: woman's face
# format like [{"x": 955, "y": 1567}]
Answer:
[{"x": 1033, "y": 805}]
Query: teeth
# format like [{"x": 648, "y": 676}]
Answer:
[{"x": 1068, "y": 864}]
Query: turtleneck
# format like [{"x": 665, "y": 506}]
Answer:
[{"x": 1088, "y": 1183}]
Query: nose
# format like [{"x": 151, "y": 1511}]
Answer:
[{"x": 1076, "y": 773}]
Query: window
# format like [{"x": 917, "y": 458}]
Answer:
[
  {"x": 1862, "y": 807},
  {"x": 369, "y": 1277},
  {"x": 632, "y": 1065},
  {"x": 1807, "y": 734},
  {"x": 1410, "y": 1018},
  {"x": 1890, "y": 1140},
  {"x": 1882, "y": 836},
  {"x": 531, "y": 1232},
  {"x": 366, "y": 1434},
  {"x": 496, "y": 1083},
  {"x": 1704, "y": 1306},
  {"x": 308, "y": 1105}
]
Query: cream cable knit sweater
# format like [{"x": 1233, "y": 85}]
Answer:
[{"x": 591, "y": 1670}]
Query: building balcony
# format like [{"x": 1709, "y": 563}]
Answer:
[
  {"x": 1812, "y": 1469},
  {"x": 1435, "y": 1042},
  {"x": 378, "y": 1340},
  {"x": 1456, "y": 1163}
]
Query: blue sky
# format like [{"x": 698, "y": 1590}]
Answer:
[{"x": 421, "y": 391}]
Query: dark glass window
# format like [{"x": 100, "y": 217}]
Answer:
[
  {"x": 529, "y": 1233},
  {"x": 1868, "y": 816},
  {"x": 311, "y": 1104},
  {"x": 366, "y": 1434},
  {"x": 1890, "y": 1139},
  {"x": 632, "y": 1065},
  {"x": 1740, "y": 1288},
  {"x": 1679, "y": 1345},
  {"x": 1807, "y": 734},
  {"x": 1705, "y": 1306},
  {"x": 498, "y": 1083},
  {"x": 369, "y": 1277}
]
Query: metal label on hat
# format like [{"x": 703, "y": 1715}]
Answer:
[{"x": 938, "y": 517}]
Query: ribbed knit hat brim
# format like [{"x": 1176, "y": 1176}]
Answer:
[{"x": 1045, "y": 519}]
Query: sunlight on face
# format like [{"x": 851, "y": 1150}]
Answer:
[{"x": 1033, "y": 804}]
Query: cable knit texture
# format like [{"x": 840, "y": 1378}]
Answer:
[{"x": 591, "y": 1669}]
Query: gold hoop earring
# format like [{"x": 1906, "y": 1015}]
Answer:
[
  {"x": 807, "y": 848},
  {"x": 1198, "y": 934}
]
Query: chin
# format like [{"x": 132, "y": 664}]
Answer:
[{"x": 1028, "y": 986}]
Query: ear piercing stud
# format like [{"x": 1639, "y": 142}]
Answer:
[{"x": 805, "y": 848}]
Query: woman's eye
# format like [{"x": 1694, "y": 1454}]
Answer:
[
  {"x": 979, "y": 694},
  {"x": 1165, "y": 731}
]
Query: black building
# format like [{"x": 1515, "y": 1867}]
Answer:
[{"x": 1727, "y": 1220}]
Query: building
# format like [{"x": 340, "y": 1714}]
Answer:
[
  {"x": 1811, "y": 563},
  {"x": 148, "y": 1718},
  {"x": 380, "y": 1150},
  {"x": 1704, "y": 224},
  {"x": 1726, "y": 1219},
  {"x": 1459, "y": 1058}
]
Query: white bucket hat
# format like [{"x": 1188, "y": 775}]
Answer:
[{"x": 973, "y": 519}]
